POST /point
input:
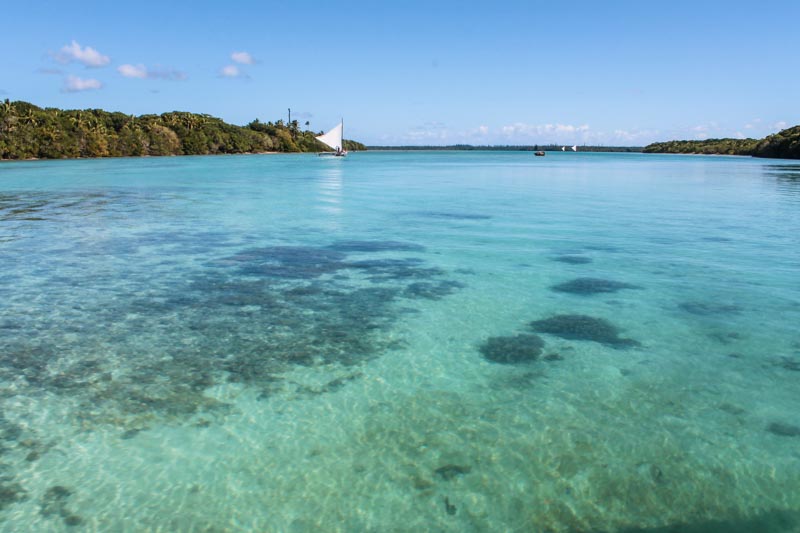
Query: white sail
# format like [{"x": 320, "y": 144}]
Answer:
[
  {"x": 563, "y": 148},
  {"x": 333, "y": 138},
  {"x": 575, "y": 148}
]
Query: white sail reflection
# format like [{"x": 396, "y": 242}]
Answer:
[{"x": 330, "y": 190}]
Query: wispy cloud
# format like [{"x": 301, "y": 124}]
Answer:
[
  {"x": 626, "y": 137},
  {"x": 74, "y": 84},
  {"x": 545, "y": 132},
  {"x": 521, "y": 133},
  {"x": 780, "y": 125},
  {"x": 133, "y": 71},
  {"x": 141, "y": 72},
  {"x": 756, "y": 122},
  {"x": 243, "y": 58},
  {"x": 232, "y": 71},
  {"x": 86, "y": 55}
]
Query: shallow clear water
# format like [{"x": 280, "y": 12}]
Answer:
[{"x": 400, "y": 342}]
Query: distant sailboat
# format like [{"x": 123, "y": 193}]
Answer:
[
  {"x": 575, "y": 148},
  {"x": 563, "y": 148},
  {"x": 334, "y": 140}
]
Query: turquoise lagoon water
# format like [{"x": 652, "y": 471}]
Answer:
[{"x": 400, "y": 342}]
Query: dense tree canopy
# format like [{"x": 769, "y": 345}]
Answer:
[
  {"x": 708, "y": 146},
  {"x": 28, "y": 132},
  {"x": 784, "y": 144}
]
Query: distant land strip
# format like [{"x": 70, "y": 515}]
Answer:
[
  {"x": 784, "y": 145},
  {"x": 510, "y": 148},
  {"x": 31, "y": 132}
]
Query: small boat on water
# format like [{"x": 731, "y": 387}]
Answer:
[
  {"x": 575, "y": 148},
  {"x": 539, "y": 153},
  {"x": 334, "y": 140}
]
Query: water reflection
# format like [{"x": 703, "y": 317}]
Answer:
[
  {"x": 786, "y": 176},
  {"x": 330, "y": 187}
]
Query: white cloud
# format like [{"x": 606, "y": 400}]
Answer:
[
  {"x": 86, "y": 55},
  {"x": 133, "y": 71},
  {"x": 230, "y": 71},
  {"x": 544, "y": 132},
  {"x": 781, "y": 125},
  {"x": 142, "y": 72},
  {"x": 243, "y": 57},
  {"x": 752, "y": 124},
  {"x": 73, "y": 84},
  {"x": 626, "y": 137}
]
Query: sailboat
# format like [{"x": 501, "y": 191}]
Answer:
[
  {"x": 575, "y": 148},
  {"x": 333, "y": 139},
  {"x": 563, "y": 148}
]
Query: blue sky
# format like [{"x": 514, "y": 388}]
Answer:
[{"x": 422, "y": 72}]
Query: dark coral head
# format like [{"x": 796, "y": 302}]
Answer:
[{"x": 521, "y": 348}]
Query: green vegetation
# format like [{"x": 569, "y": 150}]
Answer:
[
  {"x": 30, "y": 132},
  {"x": 784, "y": 144},
  {"x": 708, "y": 146}
]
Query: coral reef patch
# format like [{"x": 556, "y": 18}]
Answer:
[
  {"x": 522, "y": 348},
  {"x": 588, "y": 286},
  {"x": 573, "y": 259},
  {"x": 583, "y": 328},
  {"x": 248, "y": 317}
]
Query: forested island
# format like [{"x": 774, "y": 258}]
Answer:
[
  {"x": 31, "y": 132},
  {"x": 784, "y": 144}
]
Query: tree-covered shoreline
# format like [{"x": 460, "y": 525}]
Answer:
[
  {"x": 31, "y": 132},
  {"x": 784, "y": 145}
]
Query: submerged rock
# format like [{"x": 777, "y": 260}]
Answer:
[
  {"x": 448, "y": 472},
  {"x": 587, "y": 286},
  {"x": 375, "y": 246},
  {"x": 289, "y": 262},
  {"x": 583, "y": 328},
  {"x": 573, "y": 259},
  {"x": 11, "y": 492},
  {"x": 432, "y": 290},
  {"x": 54, "y": 502},
  {"x": 709, "y": 308},
  {"x": 783, "y": 429},
  {"x": 449, "y": 507},
  {"x": 788, "y": 363},
  {"x": 521, "y": 348}
]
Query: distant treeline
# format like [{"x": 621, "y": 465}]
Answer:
[
  {"x": 30, "y": 132},
  {"x": 784, "y": 144},
  {"x": 513, "y": 148}
]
